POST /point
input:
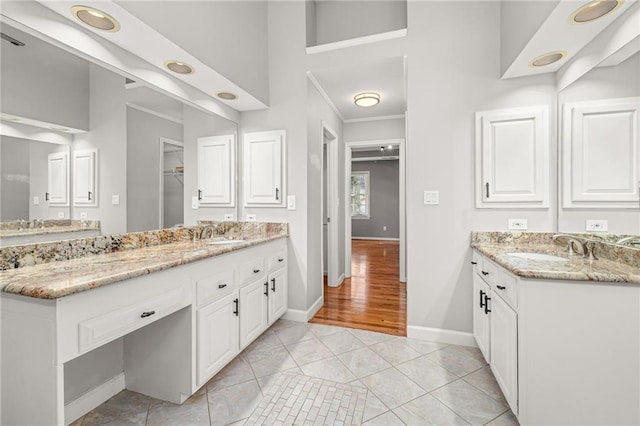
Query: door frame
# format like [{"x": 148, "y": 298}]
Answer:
[
  {"x": 402, "y": 200},
  {"x": 334, "y": 279},
  {"x": 161, "y": 142}
]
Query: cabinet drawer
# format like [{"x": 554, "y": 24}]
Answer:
[
  {"x": 97, "y": 331},
  {"x": 489, "y": 271},
  {"x": 251, "y": 270},
  {"x": 505, "y": 287},
  {"x": 278, "y": 260},
  {"x": 476, "y": 262},
  {"x": 215, "y": 286}
]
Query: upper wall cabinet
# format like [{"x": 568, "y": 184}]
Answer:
[
  {"x": 601, "y": 154},
  {"x": 58, "y": 179},
  {"x": 85, "y": 177},
  {"x": 512, "y": 158},
  {"x": 216, "y": 171},
  {"x": 265, "y": 168}
]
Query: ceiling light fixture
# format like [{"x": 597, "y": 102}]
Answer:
[
  {"x": 366, "y": 99},
  {"x": 594, "y": 10},
  {"x": 227, "y": 96},
  {"x": 548, "y": 58},
  {"x": 95, "y": 18},
  {"x": 179, "y": 67}
]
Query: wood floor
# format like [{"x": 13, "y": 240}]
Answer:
[{"x": 373, "y": 298}]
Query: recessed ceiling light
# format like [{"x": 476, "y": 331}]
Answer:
[
  {"x": 594, "y": 10},
  {"x": 95, "y": 18},
  {"x": 366, "y": 99},
  {"x": 179, "y": 67},
  {"x": 227, "y": 96},
  {"x": 548, "y": 58}
]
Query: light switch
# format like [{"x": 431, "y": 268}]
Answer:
[
  {"x": 251, "y": 218},
  {"x": 431, "y": 197},
  {"x": 36, "y": 201},
  {"x": 520, "y": 224},
  {"x": 194, "y": 202},
  {"x": 291, "y": 202},
  {"x": 115, "y": 200},
  {"x": 598, "y": 225}
]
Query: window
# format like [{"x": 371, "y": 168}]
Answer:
[{"x": 360, "y": 195}]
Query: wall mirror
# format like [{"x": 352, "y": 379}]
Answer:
[
  {"x": 144, "y": 144},
  {"x": 599, "y": 165}
]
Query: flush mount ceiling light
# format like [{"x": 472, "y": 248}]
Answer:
[
  {"x": 366, "y": 99},
  {"x": 594, "y": 10},
  {"x": 95, "y": 18},
  {"x": 227, "y": 96},
  {"x": 179, "y": 67},
  {"x": 548, "y": 58}
]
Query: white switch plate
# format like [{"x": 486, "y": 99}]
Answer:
[
  {"x": 60, "y": 215},
  {"x": 431, "y": 197},
  {"x": 36, "y": 201},
  {"x": 384, "y": 228},
  {"x": 115, "y": 200},
  {"x": 194, "y": 202},
  {"x": 598, "y": 225},
  {"x": 251, "y": 218},
  {"x": 291, "y": 202},
  {"x": 83, "y": 215},
  {"x": 520, "y": 224},
  {"x": 228, "y": 216}
]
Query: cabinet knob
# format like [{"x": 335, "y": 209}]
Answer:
[
  {"x": 280, "y": 259},
  {"x": 147, "y": 314},
  {"x": 222, "y": 285},
  {"x": 255, "y": 271},
  {"x": 474, "y": 263},
  {"x": 485, "y": 273},
  {"x": 501, "y": 287}
]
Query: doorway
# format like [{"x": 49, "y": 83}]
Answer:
[
  {"x": 330, "y": 203},
  {"x": 171, "y": 206}
]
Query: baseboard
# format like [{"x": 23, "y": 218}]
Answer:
[
  {"x": 441, "y": 335},
  {"x": 375, "y": 238},
  {"x": 90, "y": 400},
  {"x": 304, "y": 316}
]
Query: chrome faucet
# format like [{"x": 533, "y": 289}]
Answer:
[
  {"x": 629, "y": 241},
  {"x": 201, "y": 234},
  {"x": 585, "y": 248}
]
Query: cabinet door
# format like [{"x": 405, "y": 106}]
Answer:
[
  {"x": 264, "y": 168},
  {"x": 253, "y": 311},
  {"x": 278, "y": 296},
  {"x": 85, "y": 177},
  {"x": 481, "y": 319},
  {"x": 601, "y": 154},
  {"x": 504, "y": 350},
  {"x": 512, "y": 158},
  {"x": 217, "y": 340},
  {"x": 58, "y": 179},
  {"x": 216, "y": 170}
]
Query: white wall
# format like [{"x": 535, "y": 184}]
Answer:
[
  {"x": 374, "y": 130},
  {"x": 108, "y": 133},
  {"x": 144, "y": 131},
  {"x": 198, "y": 124},
  {"x": 14, "y": 180},
  {"x": 443, "y": 97}
]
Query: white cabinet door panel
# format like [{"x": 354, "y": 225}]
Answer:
[
  {"x": 58, "y": 179},
  {"x": 253, "y": 311},
  {"x": 278, "y": 296},
  {"x": 481, "y": 319},
  {"x": 85, "y": 177},
  {"x": 216, "y": 170},
  {"x": 504, "y": 349},
  {"x": 265, "y": 168},
  {"x": 601, "y": 154}
]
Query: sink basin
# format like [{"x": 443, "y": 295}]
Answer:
[
  {"x": 538, "y": 256},
  {"x": 221, "y": 242}
]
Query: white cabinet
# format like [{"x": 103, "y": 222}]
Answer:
[
  {"x": 277, "y": 294},
  {"x": 253, "y": 311},
  {"x": 512, "y": 158},
  {"x": 85, "y": 177},
  {"x": 504, "y": 348},
  {"x": 481, "y": 324},
  {"x": 58, "y": 179},
  {"x": 265, "y": 169},
  {"x": 217, "y": 335},
  {"x": 216, "y": 170},
  {"x": 601, "y": 154}
]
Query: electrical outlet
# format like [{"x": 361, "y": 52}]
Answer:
[
  {"x": 291, "y": 202},
  {"x": 36, "y": 201},
  {"x": 520, "y": 224},
  {"x": 228, "y": 217},
  {"x": 194, "y": 202},
  {"x": 251, "y": 218},
  {"x": 115, "y": 200},
  {"x": 83, "y": 215},
  {"x": 431, "y": 197},
  {"x": 60, "y": 215},
  {"x": 597, "y": 225},
  {"x": 384, "y": 228}
]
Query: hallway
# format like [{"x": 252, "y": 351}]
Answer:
[{"x": 373, "y": 298}]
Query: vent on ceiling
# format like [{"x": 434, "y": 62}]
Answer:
[{"x": 11, "y": 40}]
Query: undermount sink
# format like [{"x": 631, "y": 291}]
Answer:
[
  {"x": 538, "y": 256},
  {"x": 220, "y": 242}
]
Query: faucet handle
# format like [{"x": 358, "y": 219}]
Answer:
[{"x": 590, "y": 250}]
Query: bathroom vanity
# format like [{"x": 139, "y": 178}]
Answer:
[
  {"x": 560, "y": 332},
  {"x": 171, "y": 315}
]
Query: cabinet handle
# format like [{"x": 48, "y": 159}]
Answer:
[
  {"x": 474, "y": 263},
  {"x": 273, "y": 285},
  {"x": 46, "y": 196},
  {"x": 486, "y": 304},
  {"x": 237, "y": 304},
  {"x": 277, "y": 194},
  {"x": 487, "y": 189},
  {"x": 147, "y": 314},
  {"x": 199, "y": 194},
  {"x": 501, "y": 287},
  {"x": 281, "y": 260},
  {"x": 222, "y": 285},
  {"x": 90, "y": 195},
  {"x": 481, "y": 299},
  {"x": 255, "y": 271},
  {"x": 485, "y": 273},
  {"x": 266, "y": 288}
]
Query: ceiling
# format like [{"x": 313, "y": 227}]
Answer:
[{"x": 149, "y": 99}]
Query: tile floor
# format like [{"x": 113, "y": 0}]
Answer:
[{"x": 299, "y": 373}]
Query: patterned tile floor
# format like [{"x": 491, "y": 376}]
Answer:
[{"x": 312, "y": 374}]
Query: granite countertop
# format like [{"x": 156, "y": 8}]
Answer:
[
  {"x": 576, "y": 268},
  {"x": 63, "y": 278},
  {"x": 16, "y": 229}
]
